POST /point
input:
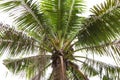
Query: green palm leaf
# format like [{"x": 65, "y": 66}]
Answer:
[
  {"x": 29, "y": 65},
  {"x": 102, "y": 26},
  {"x": 77, "y": 74},
  {"x": 28, "y": 14},
  {"x": 89, "y": 70},
  {"x": 110, "y": 49},
  {"x": 111, "y": 71},
  {"x": 15, "y": 42},
  {"x": 56, "y": 27},
  {"x": 62, "y": 20}
]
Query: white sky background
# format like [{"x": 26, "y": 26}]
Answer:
[{"x": 3, "y": 70}]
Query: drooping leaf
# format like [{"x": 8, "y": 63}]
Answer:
[
  {"x": 30, "y": 65},
  {"x": 102, "y": 27},
  {"x": 102, "y": 68},
  {"x": 15, "y": 42}
]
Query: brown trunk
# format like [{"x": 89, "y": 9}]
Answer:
[{"x": 59, "y": 68}]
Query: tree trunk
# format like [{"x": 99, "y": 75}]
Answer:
[{"x": 59, "y": 68}]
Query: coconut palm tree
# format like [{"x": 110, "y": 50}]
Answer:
[{"x": 53, "y": 33}]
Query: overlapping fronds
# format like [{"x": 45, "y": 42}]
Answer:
[
  {"x": 58, "y": 19},
  {"x": 107, "y": 78},
  {"x": 111, "y": 49},
  {"x": 15, "y": 42},
  {"x": 33, "y": 66},
  {"x": 76, "y": 73},
  {"x": 89, "y": 70},
  {"x": 56, "y": 26},
  {"x": 62, "y": 16},
  {"x": 26, "y": 14},
  {"x": 105, "y": 7},
  {"x": 101, "y": 68},
  {"x": 103, "y": 25}
]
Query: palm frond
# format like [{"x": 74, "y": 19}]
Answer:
[
  {"x": 29, "y": 65},
  {"x": 29, "y": 17},
  {"x": 77, "y": 74},
  {"x": 105, "y": 7},
  {"x": 108, "y": 49},
  {"x": 102, "y": 26},
  {"x": 15, "y": 42},
  {"x": 56, "y": 26},
  {"x": 89, "y": 70},
  {"x": 73, "y": 21},
  {"x": 8, "y": 5},
  {"x": 62, "y": 15},
  {"x": 111, "y": 71},
  {"x": 107, "y": 78}
]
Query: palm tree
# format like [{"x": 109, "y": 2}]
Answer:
[{"x": 49, "y": 33}]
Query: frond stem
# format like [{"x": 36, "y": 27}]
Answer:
[
  {"x": 32, "y": 13},
  {"x": 100, "y": 46},
  {"x": 95, "y": 18}
]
